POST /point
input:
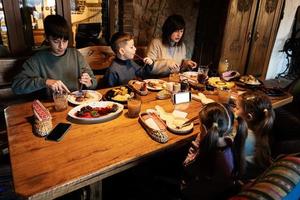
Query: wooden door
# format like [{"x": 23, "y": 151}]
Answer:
[
  {"x": 238, "y": 30},
  {"x": 264, "y": 35}
]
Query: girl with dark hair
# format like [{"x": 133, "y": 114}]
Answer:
[
  {"x": 215, "y": 160},
  {"x": 169, "y": 51},
  {"x": 256, "y": 108}
]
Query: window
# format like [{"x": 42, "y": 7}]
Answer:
[
  {"x": 33, "y": 13},
  {"x": 4, "y": 44}
]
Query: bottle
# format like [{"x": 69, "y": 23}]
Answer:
[
  {"x": 223, "y": 66},
  {"x": 184, "y": 85}
]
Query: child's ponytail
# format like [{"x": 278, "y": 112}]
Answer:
[{"x": 238, "y": 146}]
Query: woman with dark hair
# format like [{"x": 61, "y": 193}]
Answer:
[{"x": 169, "y": 51}]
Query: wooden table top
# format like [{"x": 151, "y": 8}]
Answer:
[{"x": 88, "y": 152}]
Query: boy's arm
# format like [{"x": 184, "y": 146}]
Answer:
[
  {"x": 142, "y": 71},
  {"x": 29, "y": 79},
  {"x": 111, "y": 78}
]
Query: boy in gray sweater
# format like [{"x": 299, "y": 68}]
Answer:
[{"x": 55, "y": 69}]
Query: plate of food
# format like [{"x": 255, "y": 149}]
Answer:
[
  {"x": 95, "y": 112},
  {"x": 155, "y": 84},
  {"x": 86, "y": 96},
  {"x": 190, "y": 75},
  {"x": 119, "y": 94},
  {"x": 139, "y": 87},
  {"x": 218, "y": 83},
  {"x": 250, "y": 80},
  {"x": 177, "y": 126}
]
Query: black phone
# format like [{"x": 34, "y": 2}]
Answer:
[{"x": 58, "y": 132}]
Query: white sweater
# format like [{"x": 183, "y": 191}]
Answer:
[{"x": 163, "y": 55}]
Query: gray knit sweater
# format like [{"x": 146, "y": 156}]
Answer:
[{"x": 44, "y": 65}]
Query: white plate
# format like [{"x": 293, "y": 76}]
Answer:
[
  {"x": 171, "y": 124},
  {"x": 160, "y": 86},
  {"x": 191, "y": 75},
  {"x": 93, "y": 96},
  {"x": 104, "y": 118}
]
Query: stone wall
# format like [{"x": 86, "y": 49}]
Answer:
[{"x": 144, "y": 18}]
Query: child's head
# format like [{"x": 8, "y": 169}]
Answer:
[
  {"x": 256, "y": 108},
  {"x": 218, "y": 122},
  {"x": 123, "y": 45},
  {"x": 173, "y": 30},
  {"x": 57, "y": 33}
]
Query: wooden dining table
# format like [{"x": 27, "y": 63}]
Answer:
[{"x": 88, "y": 153}]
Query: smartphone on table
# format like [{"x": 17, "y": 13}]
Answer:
[{"x": 58, "y": 132}]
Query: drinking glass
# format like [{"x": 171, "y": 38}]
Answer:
[
  {"x": 224, "y": 95},
  {"x": 60, "y": 101},
  {"x": 202, "y": 74},
  {"x": 134, "y": 106}
]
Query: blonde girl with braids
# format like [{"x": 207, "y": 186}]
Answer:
[
  {"x": 256, "y": 108},
  {"x": 214, "y": 159}
]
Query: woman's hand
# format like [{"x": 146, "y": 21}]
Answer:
[
  {"x": 85, "y": 79},
  {"x": 173, "y": 66},
  {"x": 189, "y": 63},
  {"x": 148, "y": 61},
  {"x": 57, "y": 86}
]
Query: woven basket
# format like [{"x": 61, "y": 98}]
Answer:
[{"x": 43, "y": 128}]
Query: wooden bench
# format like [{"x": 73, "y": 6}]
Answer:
[
  {"x": 98, "y": 57},
  {"x": 9, "y": 67}
]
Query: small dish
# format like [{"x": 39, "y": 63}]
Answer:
[{"x": 174, "y": 126}]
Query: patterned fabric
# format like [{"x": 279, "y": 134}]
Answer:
[{"x": 276, "y": 182}]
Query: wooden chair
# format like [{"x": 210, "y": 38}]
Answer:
[{"x": 98, "y": 57}]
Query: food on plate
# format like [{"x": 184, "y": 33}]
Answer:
[
  {"x": 43, "y": 119},
  {"x": 163, "y": 94},
  {"x": 191, "y": 76},
  {"x": 250, "y": 79},
  {"x": 138, "y": 86},
  {"x": 154, "y": 126},
  {"x": 155, "y": 84},
  {"x": 94, "y": 112},
  {"x": 83, "y": 96},
  {"x": 218, "y": 83},
  {"x": 176, "y": 125},
  {"x": 120, "y": 94},
  {"x": 230, "y": 75}
]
